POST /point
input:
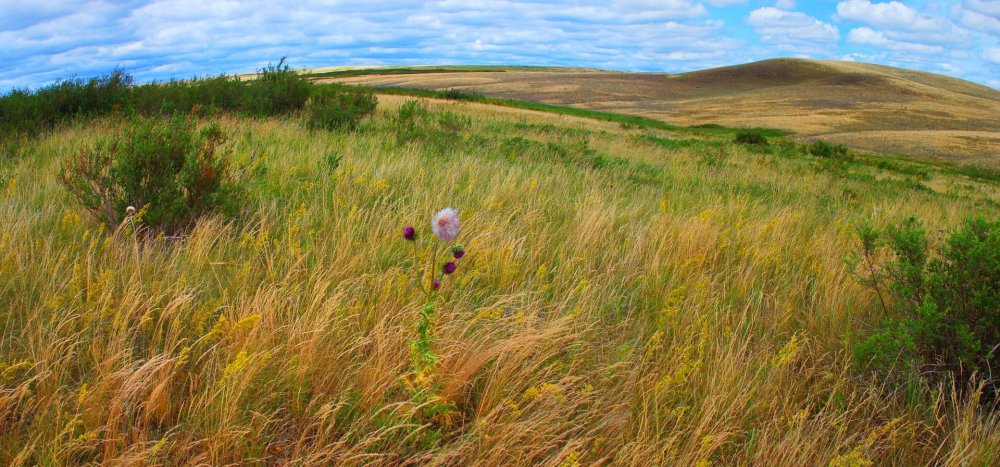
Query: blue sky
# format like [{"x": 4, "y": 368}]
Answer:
[{"x": 47, "y": 40}]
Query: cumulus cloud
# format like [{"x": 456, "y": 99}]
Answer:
[
  {"x": 793, "y": 31},
  {"x": 992, "y": 54},
  {"x": 979, "y": 21},
  {"x": 894, "y": 15},
  {"x": 868, "y": 36},
  {"x": 903, "y": 23},
  {"x": 986, "y": 7},
  {"x": 159, "y": 39}
]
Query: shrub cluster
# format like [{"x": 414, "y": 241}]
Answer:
[
  {"x": 942, "y": 308},
  {"x": 459, "y": 95},
  {"x": 25, "y": 113},
  {"x": 337, "y": 106},
  {"x": 827, "y": 150},
  {"x": 168, "y": 169},
  {"x": 750, "y": 137},
  {"x": 277, "y": 90}
]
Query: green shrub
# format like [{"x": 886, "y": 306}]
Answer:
[
  {"x": 942, "y": 309},
  {"x": 277, "y": 90},
  {"x": 409, "y": 121},
  {"x": 168, "y": 169},
  {"x": 23, "y": 112},
  {"x": 458, "y": 95},
  {"x": 339, "y": 107},
  {"x": 750, "y": 137},
  {"x": 825, "y": 149}
]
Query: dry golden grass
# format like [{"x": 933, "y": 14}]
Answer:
[
  {"x": 698, "y": 317},
  {"x": 913, "y": 113}
]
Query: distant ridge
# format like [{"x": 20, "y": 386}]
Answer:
[{"x": 870, "y": 107}]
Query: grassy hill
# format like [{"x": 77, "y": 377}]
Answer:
[
  {"x": 868, "y": 107},
  {"x": 632, "y": 293}
]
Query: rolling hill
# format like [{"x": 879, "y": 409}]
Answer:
[{"x": 867, "y": 107}]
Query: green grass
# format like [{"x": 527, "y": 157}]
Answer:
[
  {"x": 625, "y": 120},
  {"x": 632, "y": 294}
]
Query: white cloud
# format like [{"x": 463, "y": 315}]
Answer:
[
  {"x": 660, "y": 8},
  {"x": 986, "y": 7},
  {"x": 902, "y": 24},
  {"x": 979, "y": 21},
  {"x": 156, "y": 39},
  {"x": 867, "y": 36},
  {"x": 992, "y": 54},
  {"x": 725, "y": 2},
  {"x": 792, "y": 30},
  {"x": 892, "y": 15}
]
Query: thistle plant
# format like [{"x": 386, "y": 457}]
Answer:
[{"x": 429, "y": 279}]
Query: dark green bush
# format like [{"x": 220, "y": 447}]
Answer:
[
  {"x": 750, "y": 137},
  {"x": 942, "y": 309},
  {"x": 27, "y": 113},
  {"x": 339, "y": 107},
  {"x": 458, "y": 95},
  {"x": 831, "y": 151},
  {"x": 277, "y": 90},
  {"x": 168, "y": 169}
]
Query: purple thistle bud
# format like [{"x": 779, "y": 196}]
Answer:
[
  {"x": 458, "y": 251},
  {"x": 409, "y": 233},
  {"x": 450, "y": 267},
  {"x": 436, "y": 285}
]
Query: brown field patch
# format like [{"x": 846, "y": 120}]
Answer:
[{"x": 868, "y": 107}]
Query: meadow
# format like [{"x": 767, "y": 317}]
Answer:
[
  {"x": 868, "y": 107},
  {"x": 631, "y": 294}
]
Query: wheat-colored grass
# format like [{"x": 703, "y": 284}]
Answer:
[
  {"x": 700, "y": 318},
  {"x": 868, "y": 107}
]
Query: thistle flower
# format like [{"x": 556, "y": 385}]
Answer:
[
  {"x": 450, "y": 267},
  {"x": 436, "y": 285},
  {"x": 445, "y": 224},
  {"x": 409, "y": 233},
  {"x": 130, "y": 210},
  {"x": 458, "y": 251}
]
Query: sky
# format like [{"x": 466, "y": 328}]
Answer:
[{"x": 42, "y": 41}]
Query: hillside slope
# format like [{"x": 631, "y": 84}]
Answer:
[
  {"x": 868, "y": 107},
  {"x": 629, "y": 296}
]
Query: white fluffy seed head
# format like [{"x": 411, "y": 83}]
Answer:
[
  {"x": 130, "y": 210},
  {"x": 445, "y": 224}
]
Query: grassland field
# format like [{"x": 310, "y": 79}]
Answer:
[
  {"x": 633, "y": 294},
  {"x": 867, "y": 107}
]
